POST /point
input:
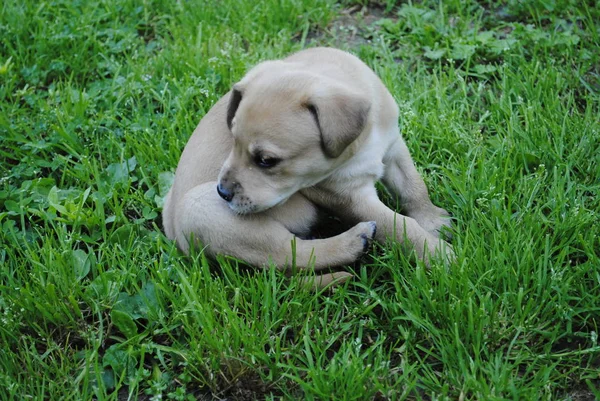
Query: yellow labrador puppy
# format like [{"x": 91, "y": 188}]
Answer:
[{"x": 316, "y": 129}]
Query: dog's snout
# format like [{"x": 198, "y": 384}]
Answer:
[{"x": 224, "y": 193}]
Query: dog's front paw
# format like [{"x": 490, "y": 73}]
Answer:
[
  {"x": 435, "y": 221},
  {"x": 438, "y": 249}
]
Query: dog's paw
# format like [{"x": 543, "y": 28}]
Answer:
[
  {"x": 438, "y": 249},
  {"x": 361, "y": 236},
  {"x": 436, "y": 221}
]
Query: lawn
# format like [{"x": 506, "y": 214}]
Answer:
[{"x": 500, "y": 106}]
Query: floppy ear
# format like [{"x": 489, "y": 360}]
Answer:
[
  {"x": 341, "y": 116},
  {"x": 234, "y": 102}
]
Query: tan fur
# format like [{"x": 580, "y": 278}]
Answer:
[{"x": 333, "y": 128}]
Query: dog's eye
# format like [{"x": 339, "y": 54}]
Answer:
[{"x": 265, "y": 161}]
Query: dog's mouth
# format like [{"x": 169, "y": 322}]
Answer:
[
  {"x": 242, "y": 209},
  {"x": 244, "y": 205}
]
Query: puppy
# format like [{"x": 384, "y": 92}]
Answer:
[{"x": 314, "y": 130}]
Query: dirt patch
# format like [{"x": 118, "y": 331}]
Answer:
[
  {"x": 581, "y": 393},
  {"x": 352, "y": 28}
]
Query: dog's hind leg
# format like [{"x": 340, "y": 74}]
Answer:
[
  {"x": 259, "y": 238},
  {"x": 402, "y": 179}
]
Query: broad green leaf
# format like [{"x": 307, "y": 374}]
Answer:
[
  {"x": 501, "y": 45},
  {"x": 485, "y": 37},
  {"x": 165, "y": 181},
  {"x": 124, "y": 234},
  {"x": 108, "y": 378},
  {"x": 462, "y": 51},
  {"x": 81, "y": 263},
  {"x": 141, "y": 305},
  {"x": 105, "y": 286},
  {"x": 12, "y": 206},
  {"x": 434, "y": 54},
  {"x": 484, "y": 68},
  {"x": 124, "y": 322},
  {"x": 119, "y": 360},
  {"x": 119, "y": 172},
  {"x": 54, "y": 201},
  {"x": 149, "y": 213}
]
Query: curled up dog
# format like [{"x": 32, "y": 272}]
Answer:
[{"x": 315, "y": 130}]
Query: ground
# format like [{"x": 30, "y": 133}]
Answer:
[{"x": 499, "y": 106}]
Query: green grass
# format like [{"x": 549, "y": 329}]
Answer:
[{"x": 500, "y": 106}]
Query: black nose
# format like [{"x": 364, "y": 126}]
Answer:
[{"x": 224, "y": 193}]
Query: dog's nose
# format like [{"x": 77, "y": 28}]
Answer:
[{"x": 224, "y": 193}]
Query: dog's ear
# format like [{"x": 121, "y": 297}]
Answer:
[
  {"x": 234, "y": 102},
  {"x": 341, "y": 117}
]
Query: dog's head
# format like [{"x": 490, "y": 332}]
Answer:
[{"x": 291, "y": 129}]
